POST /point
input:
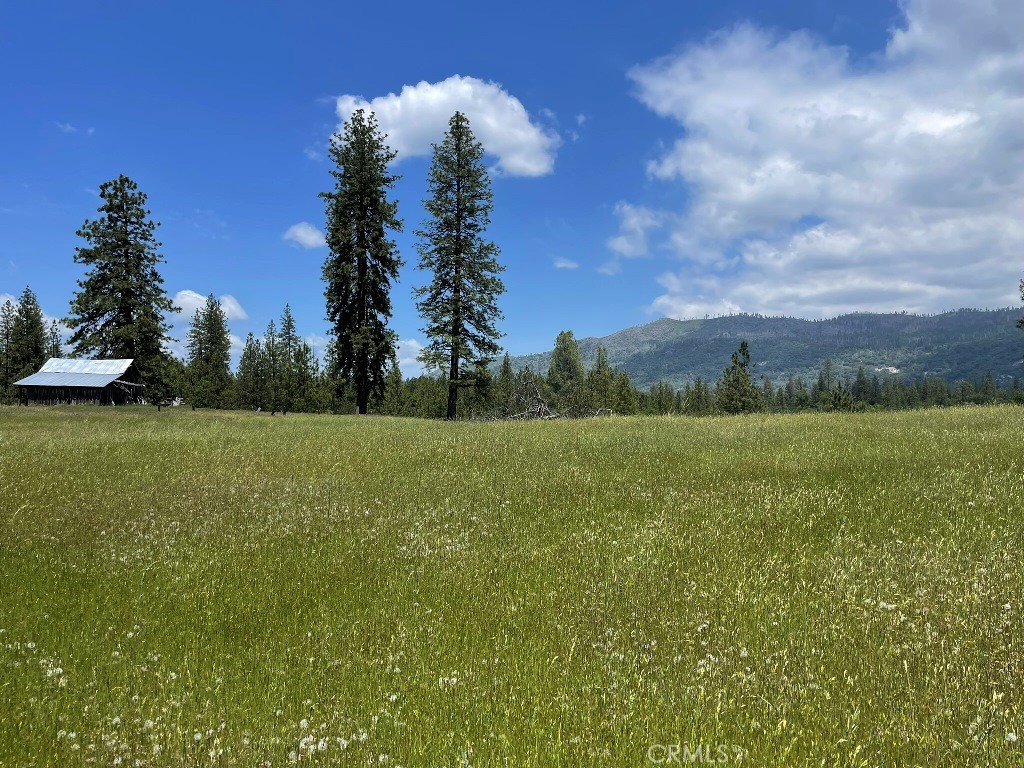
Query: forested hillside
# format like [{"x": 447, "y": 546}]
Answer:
[{"x": 956, "y": 345}]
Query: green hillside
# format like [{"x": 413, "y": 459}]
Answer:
[{"x": 955, "y": 345}]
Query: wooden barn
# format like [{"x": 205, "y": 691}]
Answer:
[{"x": 74, "y": 382}]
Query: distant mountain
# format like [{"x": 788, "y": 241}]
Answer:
[{"x": 955, "y": 345}]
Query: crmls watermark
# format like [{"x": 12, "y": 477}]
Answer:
[{"x": 694, "y": 754}]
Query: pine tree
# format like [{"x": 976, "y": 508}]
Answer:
[
  {"x": 249, "y": 381},
  {"x": 394, "y": 390},
  {"x": 460, "y": 304},
  {"x": 119, "y": 310},
  {"x": 271, "y": 394},
  {"x": 288, "y": 344},
  {"x": 566, "y": 375},
  {"x": 699, "y": 401},
  {"x": 505, "y": 384},
  {"x": 736, "y": 393},
  {"x": 363, "y": 262},
  {"x": 305, "y": 372},
  {"x": 7, "y": 314},
  {"x": 600, "y": 382},
  {"x": 54, "y": 347},
  {"x": 28, "y": 337},
  {"x": 661, "y": 398},
  {"x": 627, "y": 399},
  {"x": 988, "y": 390},
  {"x": 209, "y": 356}
]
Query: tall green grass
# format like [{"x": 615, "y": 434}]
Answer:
[{"x": 206, "y": 588}]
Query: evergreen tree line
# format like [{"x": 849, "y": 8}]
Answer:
[
  {"x": 121, "y": 307},
  {"x": 26, "y": 342},
  {"x": 121, "y": 311}
]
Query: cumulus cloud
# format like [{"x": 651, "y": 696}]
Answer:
[
  {"x": 408, "y": 358},
  {"x": 812, "y": 184},
  {"x": 189, "y": 301},
  {"x": 232, "y": 309},
  {"x": 563, "y": 263},
  {"x": 304, "y": 235},
  {"x": 418, "y": 116}
]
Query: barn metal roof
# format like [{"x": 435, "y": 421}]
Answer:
[
  {"x": 68, "y": 380},
  {"x": 63, "y": 372},
  {"x": 71, "y": 365}
]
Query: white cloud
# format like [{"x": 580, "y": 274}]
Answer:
[
  {"x": 189, "y": 301},
  {"x": 418, "y": 117},
  {"x": 408, "y": 358},
  {"x": 317, "y": 341},
  {"x": 232, "y": 309},
  {"x": 811, "y": 184},
  {"x": 305, "y": 235},
  {"x": 563, "y": 263},
  {"x": 635, "y": 222},
  {"x": 69, "y": 128}
]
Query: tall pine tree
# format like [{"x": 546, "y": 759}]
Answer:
[
  {"x": 28, "y": 337},
  {"x": 363, "y": 262},
  {"x": 736, "y": 392},
  {"x": 54, "y": 345},
  {"x": 601, "y": 382},
  {"x": 288, "y": 344},
  {"x": 460, "y": 304},
  {"x": 7, "y": 314},
  {"x": 249, "y": 382},
  {"x": 209, "y": 357},
  {"x": 119, "y": 310}
]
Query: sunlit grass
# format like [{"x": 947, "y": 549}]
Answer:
[{"x": 207, "y": 588}]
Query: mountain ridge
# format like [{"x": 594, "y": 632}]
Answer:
[{"x": 961, "y": 344}]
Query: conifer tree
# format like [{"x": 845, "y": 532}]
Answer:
[
  {"x": 566, "y": 375},
  {"x": 600, "y": 382},
  {"x": 54, "y": 347},
  {"x": 119, "y": 309},
  {"x": 305, "y": 372},
  {"x": 28, "y": 336},
  {"x": 249, "y": 381},
  {"x": 363, "y": 262},
  {"x": 209, "y": 356},
  {"x": 505, "y": 383},
  {"x": 7, "y": 313},
  {"x": 627, "y": 399},
  {"x": 271, "y": 394},
  {"x": 288, "y": 344},
  {"x": 460, "y": 303},
  {"x": 736, "y": 392}
]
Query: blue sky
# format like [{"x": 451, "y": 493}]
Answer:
[{"x": 681, "y": 159}]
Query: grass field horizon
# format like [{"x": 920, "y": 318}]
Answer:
[{"x": 230, "y": 588}]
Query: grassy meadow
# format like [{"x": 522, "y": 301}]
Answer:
[{"x": 223, "y": 588}]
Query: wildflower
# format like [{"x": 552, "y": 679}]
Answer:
[{"x": 1011, "y": 738}]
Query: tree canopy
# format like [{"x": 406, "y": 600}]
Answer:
[
  {"x": 119, "y": 309},
  {"x": 460, "y": 303},
  {"x": 363, "y": 261}
]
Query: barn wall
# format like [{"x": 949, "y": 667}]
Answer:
[{"x": 109, "y": 395}]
